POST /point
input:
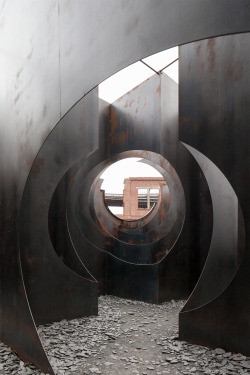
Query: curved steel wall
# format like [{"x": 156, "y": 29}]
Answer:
[
  {"x": 62, "y": 56},
  {"x": 214, "y": 123}
]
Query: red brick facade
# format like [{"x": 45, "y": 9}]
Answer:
[{"x": 131, "y": 211}]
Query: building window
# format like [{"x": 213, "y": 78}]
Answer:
[{"x": 147, "y": 197}]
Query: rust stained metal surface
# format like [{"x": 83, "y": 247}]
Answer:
[
  {"x": 47, "y": 272},
  {"x": 154, "y": 239},
  {"x": 42, "y": 80},
  {"x": 220, "y": 102}
]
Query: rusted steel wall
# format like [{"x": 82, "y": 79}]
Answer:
[
  {"x": 75, "y": 137},
  {"x": 143, "y": 119},
  {"x": 162, "y": 241},
  {"x": 67, "y": 50},
  {"x": 214, "y": 124}
]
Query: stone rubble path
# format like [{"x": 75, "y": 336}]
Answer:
[{"x": 126, "y": 338}]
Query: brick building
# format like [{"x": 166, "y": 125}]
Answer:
[{"x": 139, "y": 196}]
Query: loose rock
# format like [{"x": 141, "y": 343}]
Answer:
[{"x": 128, "y": 337}]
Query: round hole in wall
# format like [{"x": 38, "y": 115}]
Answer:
[{"x": 132, "y": 188}]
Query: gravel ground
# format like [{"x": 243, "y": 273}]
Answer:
[{"x": 128, "y": 337}]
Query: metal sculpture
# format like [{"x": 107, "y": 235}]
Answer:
[
  {"x": 218, "y": 138},
  {"x": 61, "y": 59},
  {"x": 152, "y": 241}
]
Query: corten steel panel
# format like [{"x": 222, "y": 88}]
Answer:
[
  {"x": 170, "y": 217},
  {"x": 132, "y": 281},
  {"x": 62, "y": 210},
  {"x": 99, "y": 265},
  {"x": 193, "y": 245},
  {"x": 93, "y": 259},
  {"x": 164, "y": 215},
  {"x": 28, "y": 112},
  {"x": 181, "y": 268},
  {"x": 223, "y": 252},
  {"x": 158, "y": 223},
  {"x": 187, "y": 257},
  {"x": 109, "y": 220},
  {"x": 84, "y": 194},
  {"x": 214, "y": 120},
  {"x": 17, "y": 327},
  {"x": 60, "y": 235},
  {"x": 170, "y": 119},
  {"x": 136, "y": 118},
  {"x": 54, "y": 291},
  {"x": 133, "y": 29},
  {"x": 42, "y": 77},
  {"x": 83, "y": 205},
  {"x": 136, "y": 127},
  {"x": 99, "y": 240}
]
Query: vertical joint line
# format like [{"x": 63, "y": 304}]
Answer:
[{"x": 59, "y": 56}]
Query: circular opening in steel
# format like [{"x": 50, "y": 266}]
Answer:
[{"x": 132, "y": 188}]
